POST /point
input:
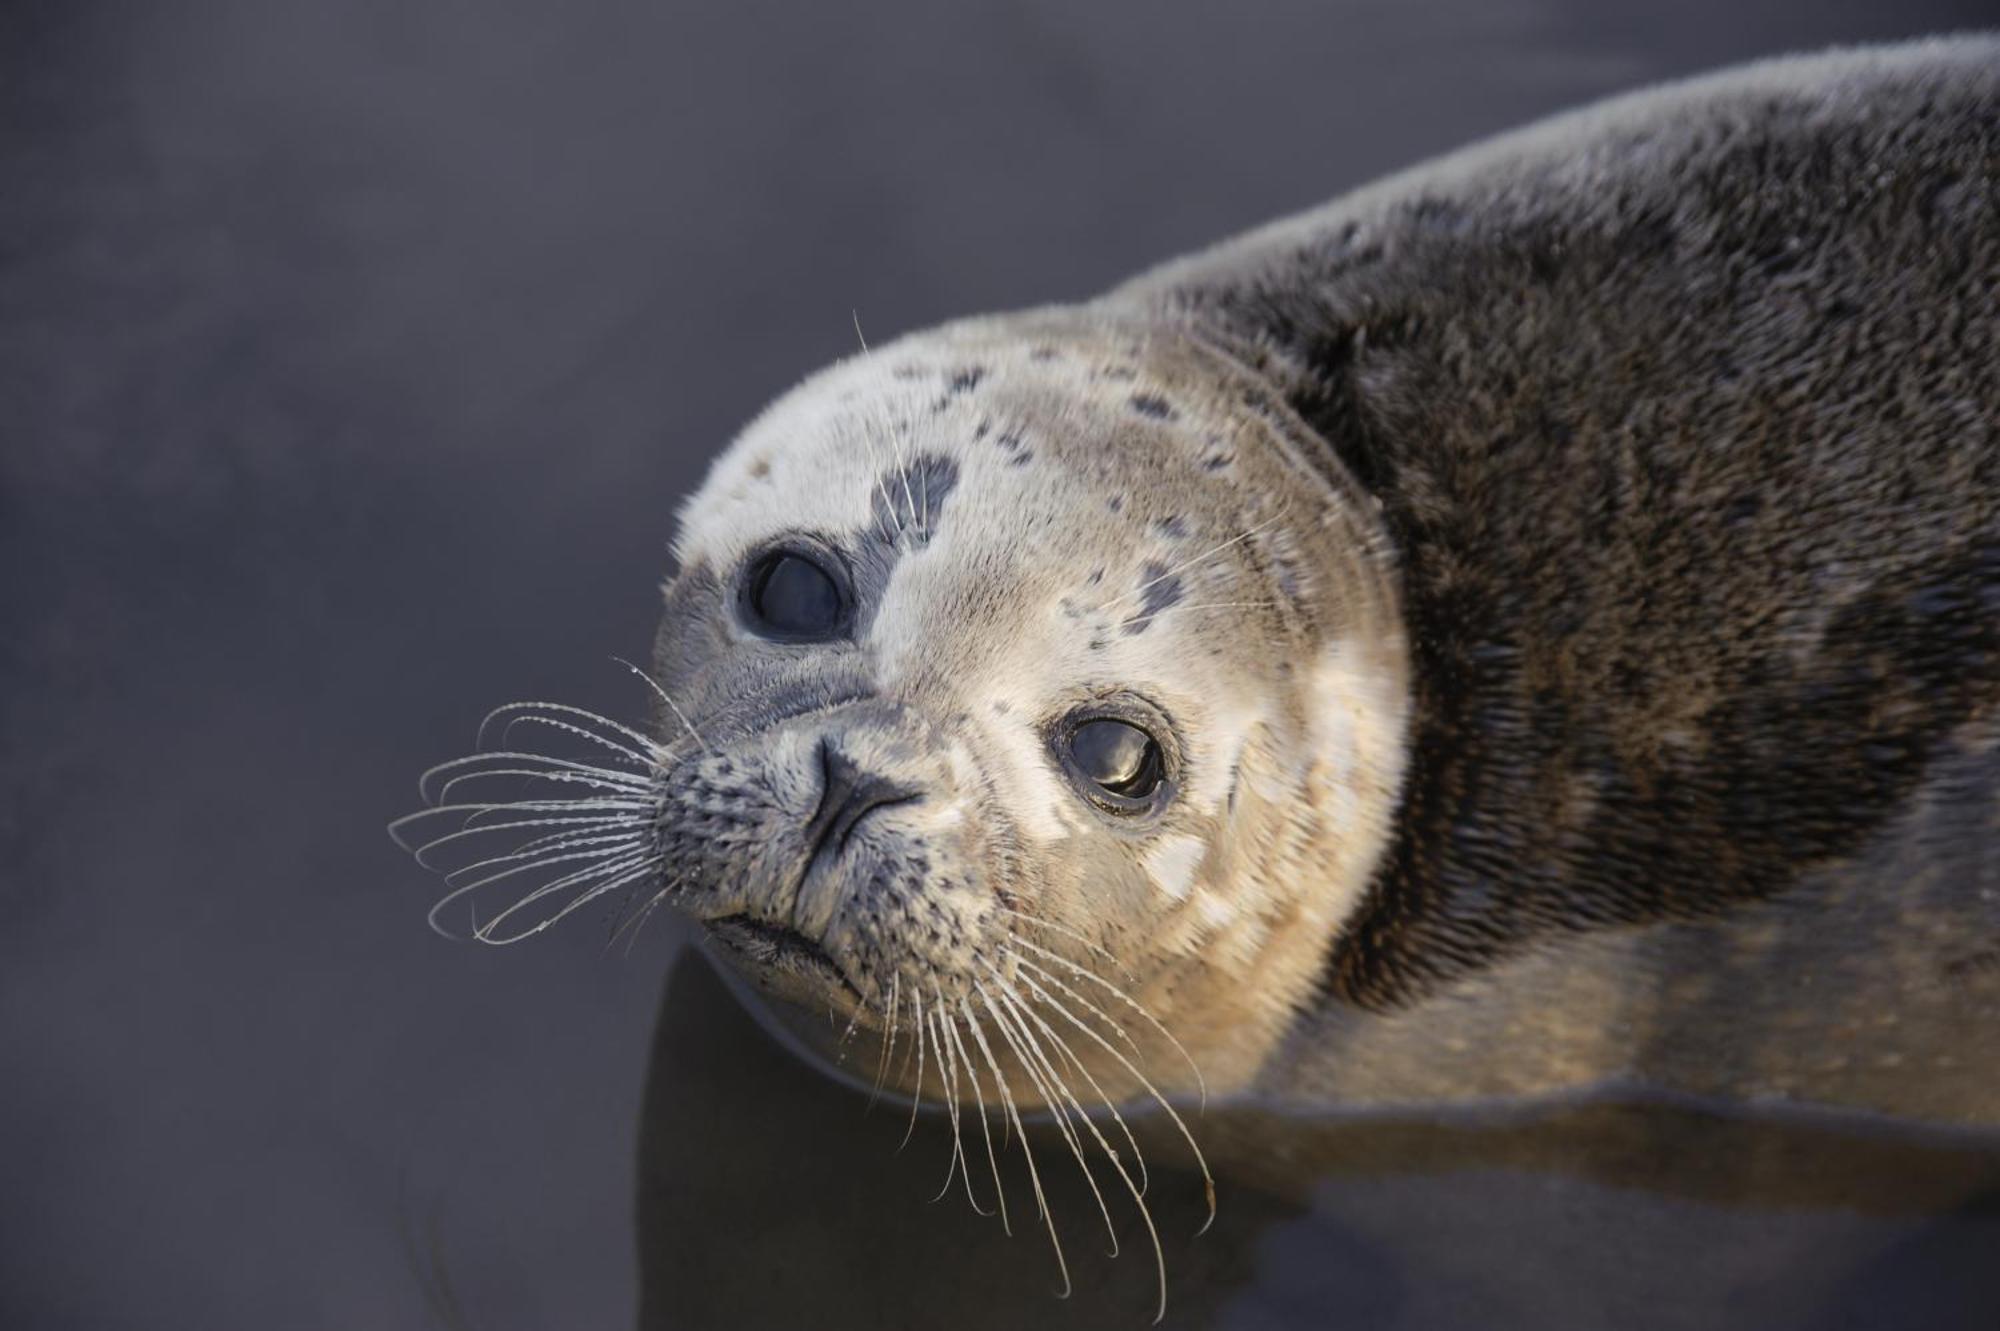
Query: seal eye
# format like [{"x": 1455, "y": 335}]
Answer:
[
  {"x": 1117, "y": 757},
  {"x": 790, "y": 596}
]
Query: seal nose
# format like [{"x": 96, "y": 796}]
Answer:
[{"x": 847, "y": 795}]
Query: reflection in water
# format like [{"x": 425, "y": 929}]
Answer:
[{"x": 769, "y": 1195}]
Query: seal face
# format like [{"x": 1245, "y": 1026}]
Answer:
[{"x": 1021, "y": 641}]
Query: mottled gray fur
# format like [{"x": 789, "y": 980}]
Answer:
[{"x": 1683, "y": 413}]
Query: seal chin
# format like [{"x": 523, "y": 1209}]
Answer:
[{"x": 780, "y": 953}]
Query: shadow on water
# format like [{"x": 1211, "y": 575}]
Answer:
[{"x": 771, "y": 1196}]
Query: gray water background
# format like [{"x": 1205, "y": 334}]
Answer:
[{"x": 353, "y": 359}]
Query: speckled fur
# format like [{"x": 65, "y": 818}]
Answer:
[{"x": 1650, "y": 457}]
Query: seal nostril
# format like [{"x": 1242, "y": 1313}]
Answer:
[{"x": 847, "y": 795}]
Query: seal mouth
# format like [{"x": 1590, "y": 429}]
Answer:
[{"x": 778, "y": 948}]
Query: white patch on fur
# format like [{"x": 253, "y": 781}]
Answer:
[
  {"x": 1358, "y": 739},
  {"x": 1216, "y": 911},
  {"x": 1171, "y": 864}
]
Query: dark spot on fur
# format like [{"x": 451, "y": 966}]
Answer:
[
  {"x": 1116, "y": 503},
  {"x": 1000, "y": 707},
  {"x": 1158, "y": 590},
  {"x": 1174, "y": 527},
  {"x": 1153, "y": 405},
  {"x": 1044, "y": 354},
  {"x": 760, "y": 469},
  {"x": 1022, "y": 458},
  {"x": 908, "y": 501},
  {"x": 961, "y": 382}
]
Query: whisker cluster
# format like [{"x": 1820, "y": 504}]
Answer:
[
  {"x": 545, "y": 832},
  {"x": 1032, "y": 1022}
]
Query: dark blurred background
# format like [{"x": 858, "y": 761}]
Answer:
[{"x": 353, "y": 360}]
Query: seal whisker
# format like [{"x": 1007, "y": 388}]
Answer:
[
  {"x": 888, "y": 1050},
  {"x": 924, "y": 514},
  {"x": 1028, "y": 1151},
  {"x": 948, "y": 1075},
  {"x": 903, "y": 474},
  {"x": 573, "y": 835},
  {"x": 1190, "y": 563},
  {"x": 599, "y": 863},
  {"x": 1182, "y": 607},
  {"x": 1055, "y": 1098},
  {"x": 1001, "y": 1089},
  {"x": 577, "y": 803},
  {"x": 1117, "y": 1165},
  {"x": 1074, "y": 935},
  {"x": 846, "y": 1037},
  {"x": 606, "y": 774},
  {"x": 520, "y": 713},
  {"x": 1077, "y": 1064},
  {"x": 607, "y": 805},
  {"x": 635, "y": 918},
  {"x": 1122, "y": 997},
  {"x": 624, "y": 874},
  {"x": 590, "y": 823},
  {"x": 558, "y": 809},
  {"x": 979, "y": 1098},
  {"x": 485, "y": 933},
  {"x": 667, "y": 698},
  {"x": 1208, "y": 1178},
  {"x": 606, "y": 843},
  {"x": 908, "y": 496},
  {"x": 1115, "y": 1026},
  {"x": 554, "y": 778},
  {"x": 605, "y": 860},
  {"x": 917, "y": 1038},
  {"x": 565, "y": 857},
  {"x": 883, "y": 520}
]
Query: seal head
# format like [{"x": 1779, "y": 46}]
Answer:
[{"x": 1032, "y": 655}]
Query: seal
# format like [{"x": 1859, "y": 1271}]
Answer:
[{"x": 1529, "y": 627}]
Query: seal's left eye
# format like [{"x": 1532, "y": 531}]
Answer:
[
  {"x": 1119, "y": 758},
  {"x": 790, "y": 596}
]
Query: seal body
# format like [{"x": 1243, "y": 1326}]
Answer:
[
  {"x": 1532, "y": 625},
  {"x": 1565, "y": 581}
]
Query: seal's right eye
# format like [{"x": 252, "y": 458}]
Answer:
[{"x": 789, "y": 596}]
